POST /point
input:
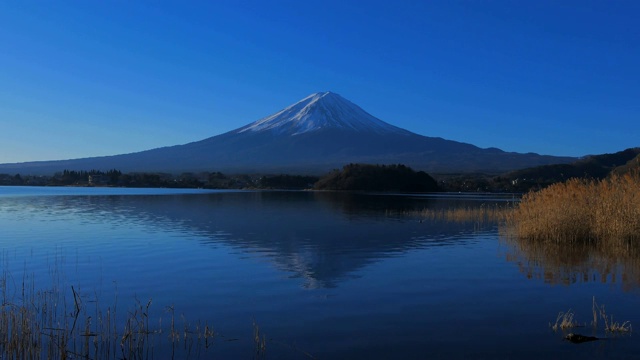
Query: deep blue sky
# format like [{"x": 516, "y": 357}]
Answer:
[{"x": 87, "y": 78}]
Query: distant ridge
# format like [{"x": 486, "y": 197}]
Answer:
[
  {"x": 321, "y": 132},
  {"x": 589, "y": 167},
  {"x": 631, "y": 166}
]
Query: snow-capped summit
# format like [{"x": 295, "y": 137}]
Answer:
[{"x": 321, "y": 111}]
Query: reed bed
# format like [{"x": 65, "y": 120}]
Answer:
[
  {"x": 605, "y": 212},
  {"x": 579, "y": 230},
  {"x": 64, "y": 324}
]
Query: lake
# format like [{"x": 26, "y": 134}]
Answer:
[{"x": 323, "y": 275}]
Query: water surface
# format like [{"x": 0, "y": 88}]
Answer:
[{"x": 333, "y": 275}]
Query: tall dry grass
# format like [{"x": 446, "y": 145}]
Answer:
[
  {"x": 606, "y": 212},
  {"x": 580, "y": 230}
]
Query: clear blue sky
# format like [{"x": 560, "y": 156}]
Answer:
[{"x": 87, "y": 78}]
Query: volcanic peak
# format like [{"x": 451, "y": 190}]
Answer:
[{"x": 319, "y": 111}]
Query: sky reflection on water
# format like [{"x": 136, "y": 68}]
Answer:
[{"x": 339, "y": 275}]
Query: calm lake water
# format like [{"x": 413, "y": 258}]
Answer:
[{"x": 328, "y": 275}]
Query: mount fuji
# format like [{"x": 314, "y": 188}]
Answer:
[
  {"x": 321, "y": 132},
  {"x": 322, "y": 111}
]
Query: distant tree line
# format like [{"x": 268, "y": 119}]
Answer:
[
  {"x": 116, "y": 178},
  {"x": 288, "y": 182},
  {"x": 360, "y": 177},
  {"x": 365, "y": 177}
]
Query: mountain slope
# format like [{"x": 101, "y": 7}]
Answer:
[
  {"x": 590, "y": 167},
  {"x": 318, "y": 112},
  {"x": 321, "y": 132},
  {"x": 631, "y": 166}
]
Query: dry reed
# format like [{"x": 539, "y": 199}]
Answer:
[
  {"x": 565, "y": 320},
  {"x": 259, "y": 342},
  {"x": 609, "y": 324},
  {"x": 579, "y": 230},
  {"x": 578, "y": 210},
  {"x": 54, "y": 324}
]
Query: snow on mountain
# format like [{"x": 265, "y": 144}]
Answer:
[{"x": 320, "y": 111}]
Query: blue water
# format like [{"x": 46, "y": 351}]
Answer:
[{"x": 335, "y": 276}]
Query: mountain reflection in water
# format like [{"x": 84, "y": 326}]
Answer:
[
  {"x": 321, "y": 237},
  {"x": 322, "y": 242},
  {"x": 349, "y": 276}
]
